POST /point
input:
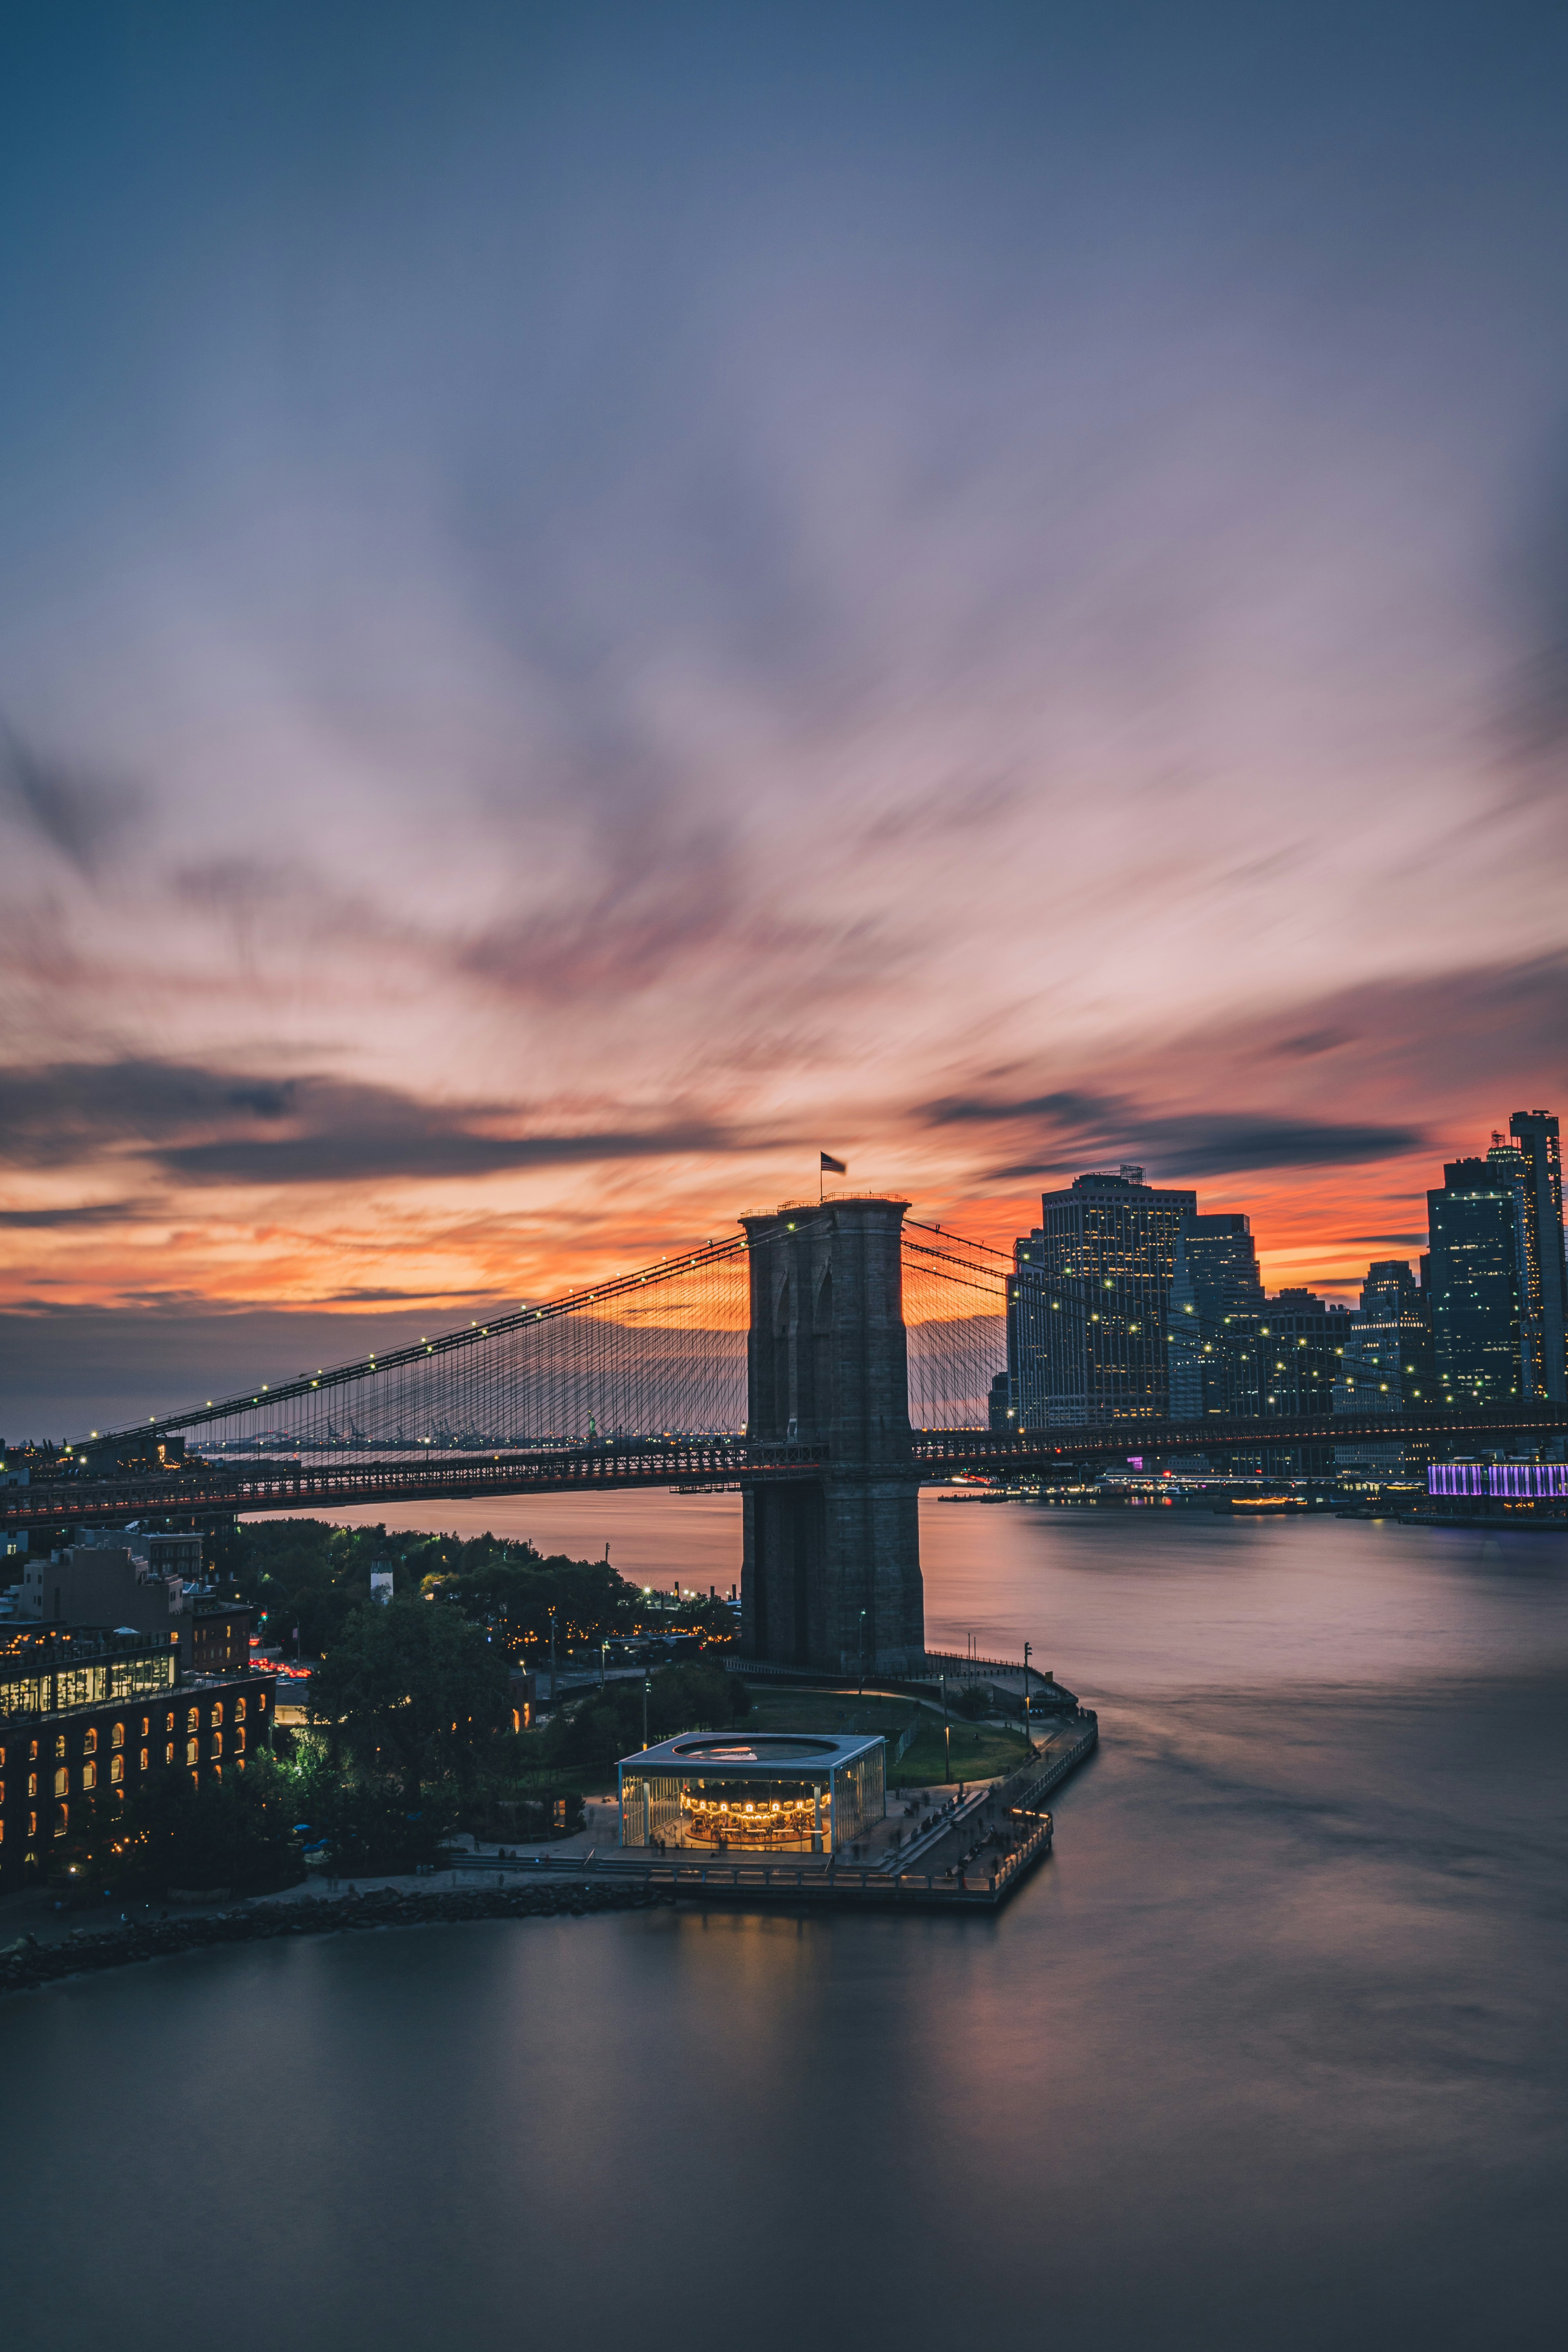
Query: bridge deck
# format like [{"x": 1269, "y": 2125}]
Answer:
[{"x": 222, "y": 1488}]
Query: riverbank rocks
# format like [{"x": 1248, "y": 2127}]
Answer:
[{"x": 27, "y": 1963}]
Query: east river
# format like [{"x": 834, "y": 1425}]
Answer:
[{"x": 1272, "y": 2053}]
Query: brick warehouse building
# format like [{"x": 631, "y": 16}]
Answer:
[{"x": 84, "y": 1710}]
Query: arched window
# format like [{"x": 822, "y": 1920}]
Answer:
[
  {"x": 117, "y": 1768},
  {"x": 240, "y": 1710},
  {"x": 193, "y": 1720},
  {"x": 89, "y": 1777},
  {"x": 218, "y": 1714},
  {"x": 62, "y": 1782},
  {"x": 90, "y": 1740},
  {"x": 117, "y": 1736}
]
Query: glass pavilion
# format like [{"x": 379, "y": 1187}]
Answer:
[{"x": 768, "y": 1792}]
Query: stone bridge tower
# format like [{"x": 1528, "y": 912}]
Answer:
[{"x": 832, "y": 1573}]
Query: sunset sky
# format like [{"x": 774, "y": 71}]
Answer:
[{"x": 595, "y": 598}]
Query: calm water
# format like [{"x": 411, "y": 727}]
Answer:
[{"x": 1272, "y": 2053}]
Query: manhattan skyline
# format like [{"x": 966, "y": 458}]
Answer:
[{"x": 591, "y": 607}]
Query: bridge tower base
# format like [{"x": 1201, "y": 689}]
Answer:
[{"x": 831, "y": 1578}]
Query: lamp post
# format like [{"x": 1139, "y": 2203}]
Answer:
[
  {"x": 647, "y": 1686},
  {"x": 1027, "y": 1741},
  {"x": 604, "y": 1662},
  {"x": 552, "y": 1656},
  {"x": 862, "y": 1654}
]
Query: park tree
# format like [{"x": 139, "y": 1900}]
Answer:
[{"x": 411, "y": 1689}]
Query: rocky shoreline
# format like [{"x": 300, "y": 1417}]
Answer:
[{"x": 29, "y": 1964}]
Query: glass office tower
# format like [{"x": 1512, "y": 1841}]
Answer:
[
  {"x": 1091, "y": 1318},
  {"x": 1216, "y": 1299},
  {"x": 1536, "y": 1138},
  {"x": 1387, "y": 1362},
  {"x": 1478, "y": 1283}
]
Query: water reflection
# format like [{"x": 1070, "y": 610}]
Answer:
[{"x": 1272, "y": 2054}]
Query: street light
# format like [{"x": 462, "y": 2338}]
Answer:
[
  {"x": 647, "y": 1686},
  {"x": 1027, "y": 1741}
]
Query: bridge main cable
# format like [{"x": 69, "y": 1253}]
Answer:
[{"x": 269, "y": 1395}]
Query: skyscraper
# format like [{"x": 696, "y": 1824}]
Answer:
[
  {"x": 1387, "y": 1360},
  {"x": 1216, "y": 1299},
  {"x": 1093, "y": 1310},
  {"x": 1478, "y": 1282},
  {"x": 1300, "y": 1346},
  {"x": 1545, "y": 1272}
]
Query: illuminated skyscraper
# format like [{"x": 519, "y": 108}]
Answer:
[
  {"x": 1099, "y": 1308},
  {"x": 1216, "y": 1299},
  {"x": 1545, "y": 1273},
  {"x": 1479, "y": 1281},
  {"x": 1387, "y": 1361}
]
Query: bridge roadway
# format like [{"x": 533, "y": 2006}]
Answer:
[{"x": 219, "y": 1488}]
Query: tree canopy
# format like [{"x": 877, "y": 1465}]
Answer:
[{"x": 409, "y": 1688}]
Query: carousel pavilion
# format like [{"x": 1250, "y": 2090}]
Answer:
[{"x": 769, "y": 1791}]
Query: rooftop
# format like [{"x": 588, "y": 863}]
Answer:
[{"x": 740, "y": 1755}]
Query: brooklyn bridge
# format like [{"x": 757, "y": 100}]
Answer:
[{"x": 825, "y": 1360}]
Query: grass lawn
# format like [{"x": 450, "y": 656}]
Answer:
[{"x": 980, "y": 1750}]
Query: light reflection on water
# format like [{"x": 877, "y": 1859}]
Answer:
[{"x": 1272, "y": 2052}]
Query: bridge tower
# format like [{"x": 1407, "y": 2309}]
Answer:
[{"x": 831, "y": 1570}]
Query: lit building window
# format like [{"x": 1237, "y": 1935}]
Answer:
[
  {"x": 62, "y": 1819},
  {"x": 90, "y": 1776},
  {"x": 217, "y": 1743},
  {"x": 168, "y": 1723},
  {"x": 62, "y": 1781},
  {"x": 117, "y": 1736},
  {"x": 146, "y": 1726},
  {"x": 190, "y": 1751},
  {"x": 145, "y": 1753},
  {"x": 117, "y": 1767},
  {"x": 32, "y": 1784},
  {"x": 169, "y": 1753},
  {"x": 193, "y": 1720},
  {"x": 218, "y": 1714},
  {"x": 239, "y": 1743},
  {"x": 59, "y": 1743},
  {"x": 261, "y": 1701},
  {"x": 32, "y": 1825},
  {"x": 238, "y": 1714},
  {"x": 90, "y": 1740}
]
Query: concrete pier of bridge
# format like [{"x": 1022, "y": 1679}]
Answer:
[{"x": 831, "y": 1575}]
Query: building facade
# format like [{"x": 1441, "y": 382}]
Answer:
[
  {"x": 1481, "y": 1335},
  {"x": 1387, "y": 1365},
  {"x": 1300, "y": 1347},
  {"x": 1092, "y": 1311},
  {"x": 86, "y": 1710},
  {"x": 1535, "y": 1134},
  {"x": 1216, "y": 1306}
]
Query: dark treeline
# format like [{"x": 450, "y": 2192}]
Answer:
[{"x": 309, "y": 1573}]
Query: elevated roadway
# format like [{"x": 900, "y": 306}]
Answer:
[{"x": 332, "y": 1483}]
